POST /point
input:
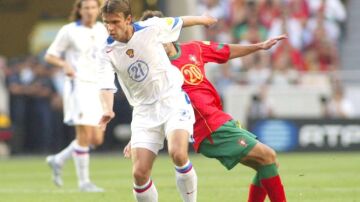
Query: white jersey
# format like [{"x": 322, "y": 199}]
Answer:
[
  {"x": 144, "y": 71},
  {"x": 80, "y": 45}
]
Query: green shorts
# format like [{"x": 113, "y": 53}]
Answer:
[{"x": 229, "y": 145}]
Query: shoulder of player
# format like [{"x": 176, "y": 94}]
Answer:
[
  {"x": 153, "y": 22},
  {"x": 193, "y": 45}
]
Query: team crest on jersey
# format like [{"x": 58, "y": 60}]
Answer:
[
  {"x": 192, "y": 74},
  {"x": 138, "y": 71},
  {"x": 242, "y": 142},
  {"x": 130, "y": 53},
  {"x": 193, "y": 59}
]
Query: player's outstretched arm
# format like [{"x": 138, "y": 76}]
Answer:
[
  {"x": 237, "y": 50},
  {"x": 107, "y": 102},
  {"x": 205, "y": 20}
]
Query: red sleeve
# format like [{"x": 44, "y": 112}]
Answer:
[{"x": 214, "y": 52}]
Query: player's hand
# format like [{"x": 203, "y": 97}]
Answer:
[
  {"x": 69, "y": 71},
  {"x": 208, "y": 20},
  {"x": 105, "y": 119},
  {"x": 271, "y": 42},
  {"x": 127, "y": 151}
]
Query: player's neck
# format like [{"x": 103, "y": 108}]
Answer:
[
  {"x": 128, "y": 34},
  {"x": 172, "y": 51},
  {"x": 89, "y": 24}
]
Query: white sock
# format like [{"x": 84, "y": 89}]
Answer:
[
  {"x": 65, "y": 154},
  {"x": 146, "y": 192},
  {"x": 186, "y": 181},
  {"x": 81, "y": 159}
]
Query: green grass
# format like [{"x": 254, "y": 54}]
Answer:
[{"x": 320, "y": 177}]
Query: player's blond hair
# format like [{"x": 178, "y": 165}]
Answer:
[{"x": 75, "y": 13}]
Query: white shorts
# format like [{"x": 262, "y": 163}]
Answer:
[
  {"x": 151, "y": 124},
  {"x": 82, "y": 104}
]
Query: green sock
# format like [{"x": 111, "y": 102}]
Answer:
[
  {"x": 267, "y": 171},
  {"x": 256, "y": 180}
]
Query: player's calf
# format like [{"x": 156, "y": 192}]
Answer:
[
  {"x": 267, "y": 179},
  {"x": 186, "y": 178}
]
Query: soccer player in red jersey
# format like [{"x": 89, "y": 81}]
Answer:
[{"x": 216, "y": 134}]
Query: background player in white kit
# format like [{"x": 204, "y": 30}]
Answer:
[
  {"x": 79, "y": 41},
  {"x": 153, "y": 86}
]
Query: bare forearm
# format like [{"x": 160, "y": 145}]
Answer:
[
  {"x": 189, "y": 21},
  {"x": 237, "y": 50},
  {"x": 107, "y": 100}
]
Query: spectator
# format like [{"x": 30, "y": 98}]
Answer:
[
  {"x": 339, "y": 106},
  {"x": 269, "y": 10},
  {"x": 251, "y": 31},
  {"x": 17, "y": 84},
  {"x": 41, "y": 91},
  {"x": 260, "y": 73},
  {"x": 4, "y": 100},
  {"x": 334, "y": 9},
  {"x": 261, "y": 106},
  {"x": 284, "y": 74},
  {"x": 218, "y": 9},
  {"x": 238, "y": 12},
  {"x": 286, "y": 24}
]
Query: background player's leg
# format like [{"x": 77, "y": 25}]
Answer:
[
  {"x": 144, "y": 189},
  {"x": 57, "y": 161},
  {"x": 186, "y": 178},
  {"x": 98, "y": 137},
  {"x": 267, "y": 170},
  {"x": 82, "y": 158}
]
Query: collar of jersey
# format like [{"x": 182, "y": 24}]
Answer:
[
  {"x": 178, "y": 54},
  {"x": 137, "y": 27}
]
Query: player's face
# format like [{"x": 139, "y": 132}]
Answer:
[
  {"x": 118, "y": 26},
  {"x": 89, "y": 11}
]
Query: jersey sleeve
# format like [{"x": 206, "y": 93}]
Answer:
[
  {"x": 214, "y": 52},
  {"x": 168, "y": 29},
  {"x": 60, "y": 44},
  {"x": 106, "y": 73}
]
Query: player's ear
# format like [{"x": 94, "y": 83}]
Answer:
[{"x": 128, "y": 19}]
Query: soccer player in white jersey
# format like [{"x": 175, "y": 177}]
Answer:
[
  {"x": 79, "y": 42},
  {"x": 153, "y": 87}
]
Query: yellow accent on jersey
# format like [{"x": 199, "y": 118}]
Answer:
[
  {"x": 206, "y": 42},
  {"x": 169, "y": 21}
]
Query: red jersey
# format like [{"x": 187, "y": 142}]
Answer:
[{"x": 190, "y": 60}]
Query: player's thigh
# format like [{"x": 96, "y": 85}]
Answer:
[
  {"x": 229, "y": 144},
  {"x": 178, "y": 144},
  {"x": 143, "y": 160},
  {"x": 179, "y": 126}
]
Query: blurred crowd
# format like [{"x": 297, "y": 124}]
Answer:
[
  {"x": 313, "y": 27},
  {"x": 309, "y": 56},
  {"x": 35, "y": 91}
]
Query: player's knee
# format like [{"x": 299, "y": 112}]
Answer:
[
  {"x": 98, "y": 141},
  {"x": 141, "y": 176},
  {"x": 270, "y": 156},
  {"x": 179, "y": 157}
]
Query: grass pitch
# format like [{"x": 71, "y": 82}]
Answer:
[{"x": 320, "y": 177}]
